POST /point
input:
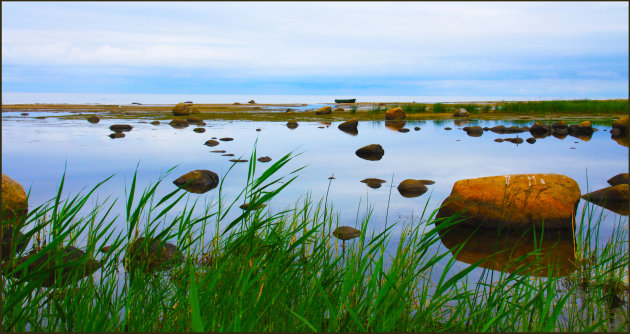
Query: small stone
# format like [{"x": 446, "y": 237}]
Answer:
[
  {"x": 211, "y": 143},
  {"x": 226, "y": 139},
  {"x": 264, "y": 159},
  {"x": 199, "y": 130}
]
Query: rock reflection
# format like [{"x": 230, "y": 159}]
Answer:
[
  {"x": 395, "y": 125},
  {"x": 502, "y": 248}
]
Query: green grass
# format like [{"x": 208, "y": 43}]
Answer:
[
  {"x": 413, "y": 108},
  {"x": 283, "y": 271},
  {"x": 568, "y": 106}
]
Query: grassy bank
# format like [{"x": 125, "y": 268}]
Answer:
[{"x": 284, "y": 271}]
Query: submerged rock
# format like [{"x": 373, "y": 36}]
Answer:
[
  {"x": 118, "y": 128},
  {"x": 395, "y": 113},
  {"x": 151, "y": 255},
  {"x": 349, "y": 126},
  {"x": 211, "y": 143},
  {"x": 218, "y": 151},
  {"x": 264, "y": 159},
  {"x": 372, "y": 152},
  {"x": 615, "y": 198},
  {"x": 14, "y": 203},
  {"x": 518, "y": 201},
  {"x": 412, "y": 188},
  {"x": 373, "y": 183},
  {"x": 198, "y": 181}
]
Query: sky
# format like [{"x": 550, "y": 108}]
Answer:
[{"x": 533, "y": 49}]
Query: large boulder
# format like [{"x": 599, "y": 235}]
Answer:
[
  {"x": 14, "y": 204},
  {"x": 323, "y": 110},
  {"x": 395, "y": 113},
  {"x": 350, "y": 126},
  {"x": 539, "y": 130},
  {"x": 12, "y": 241},
  {"x": 181, "y": 109},
  {"x": 413, "y": 188},
  {"x": 460, "y": 112},
  {"x": 622, "y": 124},
  {"x": 518, "y": 201},
  {"x": 615, "y": 198},
  {"x": 198, "y": 181},
  {"x": 372, "y": 152},
  {"x": 118, "y": 128},
  {"x": 619, "y": 179}
]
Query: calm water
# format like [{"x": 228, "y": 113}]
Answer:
[{"x": 36, "y": 151}]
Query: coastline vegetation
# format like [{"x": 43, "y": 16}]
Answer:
[{"x": 284, "y": 271}]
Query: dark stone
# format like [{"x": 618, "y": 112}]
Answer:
[
  {"x": 258, "y": 130},
  {"x": 238, "y": 160},
  {"x": 179, "y": 123},
  {"x": 246, "y": 206},
  {"x": 412, "y": 188},
  {"x": 155, "y": 122},
  {"x": 40, "y": 117},
  {"x": 24, "y": 114},
  {"x": 211, "y": 143},
  {"x": 116, "y": 135},
  {"x": 618, "y": 179},
  {"x": 199, "y": 130},
  {"x": 218, "y": 151},
  {"x": 121, "y": 128},
  {"x": 417, "y": 128},
  {"x": 227, "y": 155},
  {"x": 264, "y": 159},
  {"x": 349, "y": 126},
  {"x": 198, "y": 181},
  {"x": 474, "y": 131},
  {"x": 346, "y": 233},
  {"x": 226, "y": 139},
  {"x": 403, "y": 130},
  {"x": 531, "y": 140},
  {"x": 514, "y": 140},
  {"x": 615, "y": 198},
  {"x": 499, "y": 140},
  {"x": 93, "y": 119},
  {"x": 373, "y": 183},
  {"x": 448, "y": 128},
  {"x": 539, "y": 130},
  {"x": 292, "y": 124},
  {"x": 372, "y": 152}
]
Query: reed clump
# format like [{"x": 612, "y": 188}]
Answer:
[
  {"x": 285, "y": 271},
  {"x": 593, "y": 107}
]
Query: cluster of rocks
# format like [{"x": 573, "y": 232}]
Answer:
[{"x": 119, "y": 129}]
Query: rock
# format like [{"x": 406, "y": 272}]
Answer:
[
  {"x": 373, "y": 183},
  {"x": 181, "y": 109},
  {"x": 372, "y": 152},
  {"x": 198, "y": 181},
  {"x": 93, "y": 119},
  {"x": 403, "y": 130},
  {"x": 559, "y": 125},
  {"x": 323, "y": 110},
  {"x": 155, "y": 122},
  {"x": 614, "y": 132},
  {"x": 622, "y": 139},
  {"x": 339, "y": 109},
  {"x": 290, "y": 110},
  {"x": 218, "y": 151},
  {"x": 514, "y": 140},
  {"x": 622, "y": 124},
  {"x": 121, "y": 128},
  {"x": 500, "y": 129},
  {"x": 499, "y": 140},
  {"x": 264, "y": 159},
  {"x": 539, "y": 130},
  {"x": 417, "y": 128},
  {"x": 258, "y": 207},
  {"x": 292, "y": 124},
  {"x": 40, "y": 117},
  {"x": 251, "y": 102},
  {"x": 474, "y": 131},
  {"x": 238, "y": 160},
  {"x": 151, "y": 255},
  {"x": 24, "y": 114},
  {"x": 199, "y": 130},
  {"x": 532, "y": 252},
  {"x": 448, "y": 128},
  {"x": 116, "y": 135},
  {"x": 258, "y": 130},
  {"x": 236, "y": 103},
  {"x": 485, "y": 128},
  {"x": 179, "y": 123},
  {"x": 531, "y": 140},
  {"x": 346, "y": 233},
  {"x": 226, "y": 139},
  {"x": 561, "y": 131},
  {"x": 460, "y": 112},
  {"x": 461, "y": 121},
  {"x": 518, "y": 201},
  {"x": 585, "y": 128},
  {"x": 395, "y": 113},
  {"x": 615, "y": 198},
  {"x": 77, "y": 265},
  {"x": 349, "y": 126},
  {"x": 11, "y": 240},
  {"x": 211, "y": 143},
  {"x": 227, "y": 155},
  {"x": 412, "y": 188},
  {"x": 323, "y": 127},
  {"x": 14, "y": 203},
  {"x": 618, "y": 179},
  {"x": 257, "y": 108}
]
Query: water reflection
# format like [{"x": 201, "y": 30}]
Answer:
[{"x": 555, "y": 251}]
